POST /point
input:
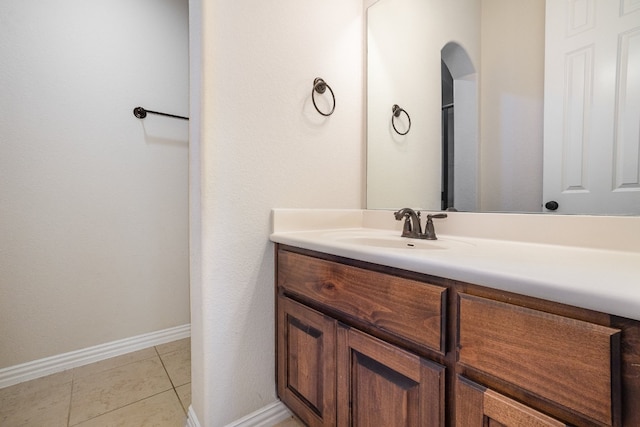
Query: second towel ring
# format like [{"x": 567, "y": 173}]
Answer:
[
  {"x": 396, "y": 113},
  {"x": 321, "y": 86}
]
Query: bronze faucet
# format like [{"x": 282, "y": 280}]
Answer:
[{"x": 412, "y": 227}]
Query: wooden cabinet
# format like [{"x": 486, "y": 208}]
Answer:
[
  {"x": 330, "y": 374},
  {"x": 364, "y": 345},
  {"x": 386, "y": 386}
]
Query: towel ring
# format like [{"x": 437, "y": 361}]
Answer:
[
  {"x": 396, "y": 113},
  {"x": 321, "y": 86}
]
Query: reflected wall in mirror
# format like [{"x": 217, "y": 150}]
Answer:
[{"x": 587, "y": 159}]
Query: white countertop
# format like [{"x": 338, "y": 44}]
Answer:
[{"x": 601, "y": 279}]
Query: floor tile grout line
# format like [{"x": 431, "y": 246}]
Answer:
[
  {"x": 70, "y": 401},
  {"x": 179, "y": 401},
  {"x": 174, "y": 386},
  {"x": 116, "y": 409},
  {"x": 165, "y": 369},
  {"x": 130, "y": 403}
]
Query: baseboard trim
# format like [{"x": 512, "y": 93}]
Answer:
[
  {"x": 61, "y": 362},
  {"x": 267, "y": 416},
  {"x": 264, "y": 417},
  {"x": 192, "y": 418}
]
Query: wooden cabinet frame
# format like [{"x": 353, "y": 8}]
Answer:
[{"x": 358, "y": 306}]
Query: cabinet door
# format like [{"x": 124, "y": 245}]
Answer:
[
  {"x": 382, "y": 385},
  {"x": 306, "y": 367},
  {"x": 478, "y": 406}
]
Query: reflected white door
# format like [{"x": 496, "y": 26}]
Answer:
[{"x": 592, "y": 106}]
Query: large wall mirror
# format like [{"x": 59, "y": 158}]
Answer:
[{"x": 504, "y": 106}]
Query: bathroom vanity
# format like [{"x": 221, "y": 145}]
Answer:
[{"x": 367, "y": 336}]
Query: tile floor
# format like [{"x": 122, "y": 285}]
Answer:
[{"x": 150, "y": 387}]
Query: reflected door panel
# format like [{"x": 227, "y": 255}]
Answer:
[{"x": 592, "y": 107}]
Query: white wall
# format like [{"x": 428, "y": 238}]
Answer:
[
  {"x": 512, "y": 91},
  {"x": 93, "y": 202},
  {"x": 263, "y": 146},
  {"x": 405, "y": 39}
]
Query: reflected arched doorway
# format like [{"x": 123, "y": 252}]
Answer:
[
  {"x": 459, "y": 129},
  {"x": 448, "y": 152}
]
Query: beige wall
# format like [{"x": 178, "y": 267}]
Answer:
[
  {"x": 512, "y": 90},
  {"x": 93, "y": 202},
  {"x": 263, "y": 146}
]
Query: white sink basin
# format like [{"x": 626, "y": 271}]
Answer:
[
  {"x": 392, "y": 243},
  {"x": 388, "y": 241}
]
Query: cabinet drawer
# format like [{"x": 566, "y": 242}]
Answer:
[
  {"x": 407, "y": 308},
  {"x": 478, "y": 406},
  {"x": 571, "y": 362}
]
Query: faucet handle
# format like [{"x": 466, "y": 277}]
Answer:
[
  {"x": 430, "y": 231},
  {"x": 438, "y": 216},
  {"x": 407, "y": 229}
]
